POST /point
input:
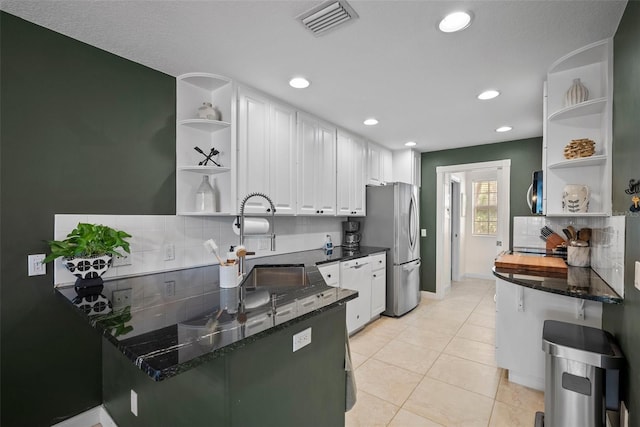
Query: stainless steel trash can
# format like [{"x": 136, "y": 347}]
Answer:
[{"x": 582, "y": 371}]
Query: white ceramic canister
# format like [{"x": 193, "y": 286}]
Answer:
[
  {"x": 578, "y": 256},
  {"x": 575, "y": 198}
]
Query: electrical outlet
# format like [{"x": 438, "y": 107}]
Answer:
[
  {"x": 301, "y": 339},
  {"x": 134, "y": 403},
  {"x": 121, "y": 298},
  {"x": 170, "y": 288},
  {"x": 35, "y": 267},
  {"x": 120, "y": 260},
  {"x": 169, "y": 252},
  {"x": 263, "y": 244},
  {"x": 636, "y": 280}
]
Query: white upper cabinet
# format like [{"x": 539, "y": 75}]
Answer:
[
  {"x": 590, "y": 119},
  {"x": 266, "y": 153},
  {"x": 196, "y": 139},
  {"x": 379, "y": 164},
  {"x": 316, "y": 166},
  {"x": 407, "y": 166},
  {"x": 352, "y": 162}
]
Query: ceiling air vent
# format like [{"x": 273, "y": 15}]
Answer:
[{"x": 327, "y": 17}]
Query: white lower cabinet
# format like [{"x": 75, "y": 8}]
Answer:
[
  {"x": 330, "y": 273},
  {"x": 378, "y": 284},
  {"x": 520, "y": 316},
  {"x": 358, "y": 275}
]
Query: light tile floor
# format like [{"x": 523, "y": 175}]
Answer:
[{"x": 436, "y": 366}]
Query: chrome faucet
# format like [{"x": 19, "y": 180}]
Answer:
[{"x": 240, "y": 224}]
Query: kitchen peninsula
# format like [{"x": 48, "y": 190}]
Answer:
[
  {"x": 231, "y": 360},
  {"x": 526, "y": 298}
]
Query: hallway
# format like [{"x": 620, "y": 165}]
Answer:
[{"x": 436, "y": 367}]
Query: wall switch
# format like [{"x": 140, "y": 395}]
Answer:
[
  {"x": 636, "y": 280},
  {"x": 170, "y": 288},
  {"x": 423, "y": 232},
  {"x": 121, "y": 298},
  {"x": 120, "y": 260},
  {"x": 134, "y": 403},
  {"x": 301, "y": 339},
  {"x": 35, "y": 267},
  {"x": 169, "y": 252}
]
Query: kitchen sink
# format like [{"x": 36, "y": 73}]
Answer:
[{"x": 276, "y": 276}]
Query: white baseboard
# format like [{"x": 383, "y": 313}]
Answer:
[
  {"x": 93, "y": 416},
  {"x": 478, "y": 276},
  {"x": 429, "y": 295}
]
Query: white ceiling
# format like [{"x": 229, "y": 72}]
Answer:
[{"x": 392, "y": 63}]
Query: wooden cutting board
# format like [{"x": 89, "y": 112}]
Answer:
[{"x": 531, "y": 263}]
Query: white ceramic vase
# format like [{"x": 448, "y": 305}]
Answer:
[{"x": 576, "y": 94}]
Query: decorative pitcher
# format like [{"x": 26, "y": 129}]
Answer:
[{"x": 575, "y": 198}]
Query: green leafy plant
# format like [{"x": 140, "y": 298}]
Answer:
[{"x": 89, "y": 240}]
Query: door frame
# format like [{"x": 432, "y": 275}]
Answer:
[
  {"x": 443, "y": 215},
  {"x": 456, "y": 214}
]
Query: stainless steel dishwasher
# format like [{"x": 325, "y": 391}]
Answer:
[{"x": 355, "y": 274}]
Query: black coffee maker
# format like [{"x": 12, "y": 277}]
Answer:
[{"x": 351, "y": 235}]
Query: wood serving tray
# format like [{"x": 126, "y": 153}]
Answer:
[{"x": 540, "y": 264}]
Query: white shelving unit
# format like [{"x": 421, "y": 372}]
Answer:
[
  {"x": 192, "y": 90},
  {"x": 593, "y": 65}
]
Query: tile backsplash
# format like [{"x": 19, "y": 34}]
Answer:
[
  {"x": 607, "y": 241},
  {"x": 151, "y": 234}
]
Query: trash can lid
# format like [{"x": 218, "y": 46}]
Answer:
[{"x": 582, "y": 343}]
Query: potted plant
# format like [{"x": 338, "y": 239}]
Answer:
[{"x": 88, "y": 251}]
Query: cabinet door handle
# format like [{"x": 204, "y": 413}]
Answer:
[
  {"x": 321, "y": 211},
  {"x": 375, "y": 275},
  {"x": 328, "y": 275}
]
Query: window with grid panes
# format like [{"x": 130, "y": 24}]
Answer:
[{"x": 485, "y": 207}]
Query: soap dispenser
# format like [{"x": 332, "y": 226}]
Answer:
[{"x": 328, "y": 245}]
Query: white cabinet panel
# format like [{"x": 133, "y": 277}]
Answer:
[
  {"x": 267, "y": 152},
  {"x": 356, "y": 275},
  {"x": 378, "y": 284},
  {"x": 352, "y": 158},
  {"x": 380, "y": 164},
  {"x": 407, "y": 166},
  {"x": 330, "y": 273},
  {"x": 316, "y": 166}
]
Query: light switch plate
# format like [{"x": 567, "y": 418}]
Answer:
[
  {"x": 423, "y": 232},
  {"x": 636, "y": 280}
]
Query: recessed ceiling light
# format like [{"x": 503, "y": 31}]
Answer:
[
  {"x": 455, "y": 21},
  {"x": 299, "y": 82},
  {"x": 371, "y": 122},
  {"x": 488, "y": 94},
  {"x": 504, "y": 129},
  {"x": 410, "y": 144}
]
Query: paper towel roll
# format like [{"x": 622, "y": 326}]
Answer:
[{"x": 252, "y": 226}]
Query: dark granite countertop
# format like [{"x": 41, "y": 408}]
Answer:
[
  {"x": 580, "y": 282},
  {"x": 170, "y": 322}
]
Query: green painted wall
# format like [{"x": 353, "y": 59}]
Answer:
[
  {"x": 624, "y": 320},
  {"x": 83, "y": 131},
  {"x": 526, "y": 157}
]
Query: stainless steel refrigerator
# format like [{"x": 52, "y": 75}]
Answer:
[{"x": 393, "y": 221}]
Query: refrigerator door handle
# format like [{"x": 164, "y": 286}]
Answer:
[{"x": 411, "y": 266}]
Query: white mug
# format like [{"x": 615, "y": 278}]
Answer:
[{"x": 575, "y": 198}]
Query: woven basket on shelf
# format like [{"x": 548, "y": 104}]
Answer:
[{"x": 579, "y": 148}]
